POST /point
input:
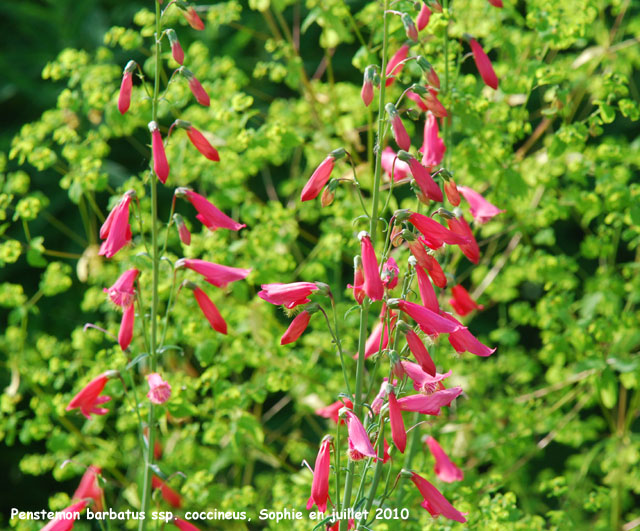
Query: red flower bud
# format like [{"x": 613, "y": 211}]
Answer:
[
  {"x": 160, "y": 164},
  {"x": 483, "y": 63},
  {"x": 395, "y": 64},
  {"x": 176, "y": 50},
  {"x": 202, "y": 144},
  {"x": 297, "y": 326},
  {"x": 451, "y": 190},
  {"x": 423, "y": 17},
  {"x": 193, "y": 19},
  {"x": 210, "y": 311}
]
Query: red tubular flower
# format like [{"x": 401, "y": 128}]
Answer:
[
  {"x": 398, "y": 432},
  {"x": 198, "y": 92},
  {"x": 116, "y": 230},
  {"x": 399, "y": 171},
  {"x": 428, "y": 262},
  {"x": 429, "y": 404},
  {"x": 351, "y": 524},
  {"x": 202, "y": 144},
  {"x": 427, "y": 293},
  {"x": 420, "y": 352},
  {"x": 88, "y": 399},
  {"x": 424, "y": 180},
  {"x": 125, "y": 334},
  {"x": 378, "y": 401},
  {"x": 495, "y": 3},
  {"x": 331, "y": 411},
  {"x": 124, "y": 97},
  {"x": 372, "y": 282},
  {"x": 390, "y": 273},
  {"x": 483, "y": 63},
  {"x": 318, "y": 179},
  {"x": 422, "y": 382},
  {"x": 417, "y": 100},
  {"x": 433, "y": 104},
  {"x": 409, "y": 27},
  {"x": 215, "y": 274},
  {"x": 481, "y": 210},
  {"x": 160, "y": 164},
  {"x": 470, "y": 249},
  {"x": 397, "y": 127},
  {"x": 395, "y": 64},
  {"x": 320, "y": 484},
  {"x": 122, "y": 292},
  {"x": 183, "y": 525},
  {"x": 176, "y": 50},
  {"x": 183, "y": 230},
  {"x": 297, "y": 326},
  {"x": 444, "y": 468},
  {"x": 208, "y": 214},
  {"x": 358, "y": 281},
  {"x": 434, "y": 501},
  {"x": 193, "y": 19},
  {"x": 451, "y": 190},
  {"x": 435, "y": 234},
  {"x": 159, "y": 390},
  {"x": 423, "y": 17},
  {"x": 462, "y": 302},
  {"x": 210, "y": 311},
  {"x": 170, "y": 496},
  {"x": 464, "y": 341},
  {"x": 430, "y": 322},
  {"x": 89, "y": 488},
  {"x": 366, "y": 93},
  {"x": 61, "y": 523},
  {"x": 433, "y": 147},
  {"x": 288, "y": 295},
  {"x": 372, "y": 346},
  {"x": 359, "y": 442}
]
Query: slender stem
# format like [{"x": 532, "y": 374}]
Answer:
[
  {"x": 148, "y": 457},
  {"x": 336, "y": 340},
  {"x": 337, "y": 451},
  {"x": 378, "y": 471},
  {"x": 446, "y": 123}
]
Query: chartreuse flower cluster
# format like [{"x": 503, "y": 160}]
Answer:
[{"x": 413, "y": 314}]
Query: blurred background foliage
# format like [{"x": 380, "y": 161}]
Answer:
[{"x": 547, "y": 431}]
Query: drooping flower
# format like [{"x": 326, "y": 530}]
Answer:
[
  {"x": 429, "y": 404},
  {"x": 296, "y": 328},
  {"x": 433, "y": 147},
  {"x": 390, "y": 273},
  {"x": 320, "y": 484},
  {"x": 398, "y": 432},
  {"x": 422, "y": 382},
  {"x": 469, "y": 249},
  {"x": 331, "y": 411},
  {"x": 176, "y": 50},
  {"x": 464, "y": 341},
  {"x": 215, "y": 274},
  {"x": 429, "y": 72},
  {"x": 125, "y": 334},
  {"x": 483, "y": 63},
  {"x": 434, "y": 501},
  {"x": 400, "y": 134},
  {"x": 409, "y": 27},
  {"x": 122, "y": 292},
  {"x": 380, "y": 331},
  {"x": 427, "y": 293},
  {"x": 64, "y": 523},
  {"x": 202, "y": 144},
  {"x": 433, "y": 103},
  {"x": 481, "y": 210},
  {"x": 208, "y": 214},
  {"x": 320, "y": 176},
  {"x": 495, "y": 3},
  {"x": 183, "y": 525},
  {"x": 428, "y": 262},
  {"x": 423, "y": 17},
  {"x": 397, "y": 172},
  {"x": 423, "y": 178},
  {"x": 209, "y": 310},
  {"x": 378, "y": 401},
  {"x": 444, "y": 468},
  {"x": 124, "y": 97},
  {"x": 159, "y": 389},
  {"x": 420, "y": 352},
  {"x": 372, "y": 282},
  {"x": 435, "y": 234},
  {"x": 88, "y": 399},
  {"x": 160, "y": 164},
  {"x": 396, "y": 63},
  {"x": 183, "y": 230},
  {"x": 359, "y": 442},
  {"x": 430, "y": 322},
  {"x": 116, "y": 230},
  {"x": 288, "y": 295},
  {"x": 193, "y": 19},
  {"x": 366, "y": 93},
  {"x": 198, "y": 91},
  {"x": 417, "y": 100},
  {"x": 89, "y": 488},
  {"x": 462, "y": 302},
  {"x": 451, "y": 190},
  {"x": 358, "y": 281},
  {"x": 170, "y": 496}
]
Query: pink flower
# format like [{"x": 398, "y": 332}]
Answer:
[
  {"x": 462, "y": 302},
  {"x": 424, "y": 180},
  {"x": 372, "y": 282},
  {"x": 176, "y": 50},
  {"x": 469, "y": 249},
  {"x": 428, "y": 262},
  {"x": 397, "y": 127},
  {"x": 444, "y": 468},
  {"x": 320, "y": 484},
  {"x": 122, "y": 292},
  {"x": 372, "y": 346},
  {"x": 409, "y": 27},
  {"x": 331, "y": 411},
  {"x": 433, "y": 147},
  {"x": 89, "y": 487},
  {"x": 423, "y": 17},
  {"x": 125, "y": 334},
  {"x": 464, "y": 341},
  {"x": 193, "y": 19},
  {"x": 159, "y": 390},
  {"x": 430, "y": 322},
  {"x": 378, "y": 401},
  {"x": 433, "y": 104},
  {"x": 395, "y": 64},
  {"x": 215, "y": 274},
  {"x": 208, "y": 214},
  {"x": 183, "y": 525},
  {"x": 88, "y": 398},
  {"x": 390, "y": 273},
  {"x": 481, "y": 210},
  {"x": 170, "y": 496},
  {"x": 483, "y": 63},
  {"x": 367, "y": 85},
  {"x": 297, "y": 326},
  {"x": 116, "y": 230},
  {"x": 61, "y": 523},
  {"x": 318, "y": 179},
  {"x": 183, "y": 230},
  {"x": 398, "y": 432},
  {"x": 399, "y": 171},
  {"x": 198, "y": 91},
  {"x": 434, "y": 233},
  {"x": 434, "y": 501},
  {"x": 202, "y": 144},
  {"x": 451, "y": 190},
  {"x": 359, "y": 442},
  {"x": 417, "y": 100},
  {"x": 429, "y": 404},
  {"x": 427, "y": 293},
  {"x": 124, "y": 97},
  {"x": 288, "y": 295},
  {"x": 160, "y": 164},
  {"x": 420, "y": 352},
  {"x": 358, "y": 281},
  {"x": 422, "y": 382},
  {"x": 210, "y": 311}
]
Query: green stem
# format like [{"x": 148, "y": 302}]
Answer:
[
  {"x": 378, "y": 471},
  {"x": 446, "y": 123}
]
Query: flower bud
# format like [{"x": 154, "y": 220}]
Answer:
[
  {"x": 176, "y": 50},
  {"x": 429, "y": 72},
  {"x": 160, "y": 164},
  {"x": 423, "y": 17},
  {"x": 483, "y": 63},
  {"x": 451, "y": 190},
  {"x": 196, "y": 87},
  {"x": 367, "y": 85},
  {"x": 193, "y": 19},
  {"x": 329, "y": 193},
  {"x": 409, "y": 27},
  {"x": 399, "y": 132},
  {"x": 124, "y": 97},
  {"x": 183, "y": 231}
]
